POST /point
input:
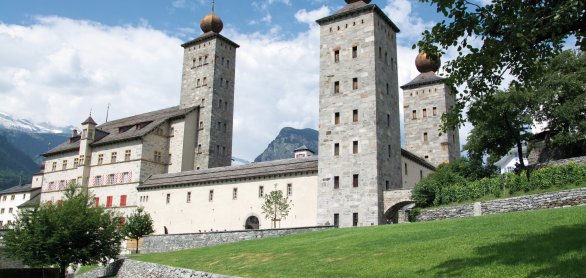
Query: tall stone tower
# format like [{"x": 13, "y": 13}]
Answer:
[
  {"x": 425, "y": 99},
  {"x": 359, "y": 137},
  {"x": 208, "y": 83}
]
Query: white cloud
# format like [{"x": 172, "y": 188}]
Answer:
[
  {"x": 310, "y": 17},
  {"x": 411, "y": 25},
  {"x": 58, "y": 69}
]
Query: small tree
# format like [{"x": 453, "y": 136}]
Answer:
[
  {"x": 69, "y": 233},
  {"x": 276, "y": 206},
  {"x": 139, "y": 224}
]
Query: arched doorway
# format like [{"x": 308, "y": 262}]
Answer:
[
  {"x": 398, "y": 213},
  {"x": 251, "y": 223}
]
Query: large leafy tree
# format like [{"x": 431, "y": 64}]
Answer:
[
  {"x": 505, "y": 36},
  {"x": 276, "y": 206},
  {"x": 138, "y": 225},
  {"x": 65, "y": 234},
  {"x": 501, "y": 121},
  {"x": 561, "y": 90}
]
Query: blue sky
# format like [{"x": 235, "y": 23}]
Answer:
[{"x": 61, "y": 58}]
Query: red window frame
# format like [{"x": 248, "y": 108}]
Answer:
[
  {"x": 123, "y": 200},
  {"x": 109, "y": 201}
]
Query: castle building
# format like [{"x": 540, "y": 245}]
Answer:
[
  {"x": 425, "y": 99},
  {"x": 13, "y": 198},
  {"x": 175, "y": 162}
]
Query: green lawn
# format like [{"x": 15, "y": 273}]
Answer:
[{"x": 545, "y": 243}]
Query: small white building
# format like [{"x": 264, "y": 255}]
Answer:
[
  {"x": 509, "y": 162},
  {"x": 12, "y": 198}
]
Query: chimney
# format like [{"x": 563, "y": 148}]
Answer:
[{"x": 74, "y": 132}]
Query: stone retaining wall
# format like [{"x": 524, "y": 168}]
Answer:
[
  {"x": 577, "y": 160},
  {"x": 558, "y": 199},
  {"x": 130, "y": 268},
  {"x": 164, "y": 243}
]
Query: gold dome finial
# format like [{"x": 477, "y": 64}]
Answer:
[{"x": 423, "y": 63}]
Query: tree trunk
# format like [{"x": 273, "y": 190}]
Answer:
[
  {"x": 136, "y": 252},
  {"x": 520, "y": 154},
  {"x": 62, "y": 270}
]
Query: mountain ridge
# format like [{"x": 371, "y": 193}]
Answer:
[{"x": 287, "y": 141}]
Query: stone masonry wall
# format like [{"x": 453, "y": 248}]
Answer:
[
  {"x": 164, "y": 243},
  {"x": 130, "y": 268},
  {"x": 558, "y": 199}
]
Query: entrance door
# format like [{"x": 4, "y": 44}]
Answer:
[{"x": 251, "y": 223}]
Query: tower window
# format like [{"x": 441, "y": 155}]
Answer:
[
  {"x": 355, "y": 115},
  {"x": 425, "y": 137},
  {"x": 336, "y": 182},
  {"x": 337, "y": 149},
  {"x": 201, "y": 125},
  {"x": 355, "y": 180},
  {"x": 336, "y": 219},
  {"x": 355, "y": 147},
  {"x": 354, "y": 83},
  {"x": 406, "y": 170},
  {"x": 434, "y": 111},
  {"x": 355, "y": 219},
  {"x": 414, "y": 114},
  {"x": 337, "y": 118},
  {"x": 389, "y": 150},
  {"x": 388, "y": 120},
  {"x": 420, "y": 174},
  {"x": 387, "y": 185},
  {"x": 387, "y": 89},
  {"x": 354, "y": 51},
  {"x": 380, "y": 53},
  {"x": 205, "y": 81},
  {"x": 336, "y": 56},
  {"x": 337, "y": 87},
  {"x": 424, "y": 112}
]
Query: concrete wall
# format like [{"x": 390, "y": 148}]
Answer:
[
  {"x": 165, "y": 243},
  {"x": 559, "y": 199}
]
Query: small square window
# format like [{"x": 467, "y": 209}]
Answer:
[
  {"x": 424, "y": 112},
  {"x": 354, "y": 83},
  {"x": 425, "y": 137},
  {"x": 355, "y": 180},
  {"x": 336, "y": 56},
  {"x": 354, "y": 51},
  {"x": 355, "y": 116},
  {"x": 336, "y": 149},
  {"x": 336, "y": 182},
  {"x": 337, "y": 87},
  {"x": 337, "y": 118},
  {"x": 414, "y": 114},
  {"x": 435, "y": 111},
  {"x": 355, "y": 147},
  {"x": 355, "y": 219}
]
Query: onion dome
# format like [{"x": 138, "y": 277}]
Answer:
[
  {"x": 211, "y": 23},
  {"x": 424, "y": 64},
  {"x": 354, "y": 1}
]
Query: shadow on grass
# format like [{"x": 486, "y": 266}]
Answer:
[{"x": 561, "y": 252}]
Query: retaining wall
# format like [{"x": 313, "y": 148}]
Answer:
[
  {"x": 164, "y": 243},
  {"x": 558, "y": 199},
  {"x": 131, "y": 269}
]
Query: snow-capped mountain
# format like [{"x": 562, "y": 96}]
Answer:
[{"x": 11, "y": 123}]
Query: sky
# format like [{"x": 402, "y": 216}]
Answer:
[{"x": 61, "y": 59}]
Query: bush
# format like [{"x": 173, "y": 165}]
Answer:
[
  {"x": 447, "y": 186},
  {"x": 30, "y": 272}
]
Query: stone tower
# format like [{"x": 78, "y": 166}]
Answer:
[
  {"x": 359, "y": 137},
  {"x": 208, "y": 83},
  {"x": 425, "y": 99}
]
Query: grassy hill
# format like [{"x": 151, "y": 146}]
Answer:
[{"x": 545, "y": 243}]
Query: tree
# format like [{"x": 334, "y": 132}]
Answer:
[
  {"x": 505, "y": 36},
  {"x": 561, "y": 91},
  {"x": 138, "y": 225},
  {"x": 426, "y": 192},
  {"x": 276, "y": 206},
  {"x": 502, "y": 121},
  {"x": 69, "y": 233}
]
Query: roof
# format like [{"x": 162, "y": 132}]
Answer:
[
  {"x": 19, "y": 189},
  {"x": 417, "y": 159},
  {"x": 251, "y": 170},
  {"x": 89, "y": 120},
  {"x": 425, "y": 78},
  {"x": 124, "y": 129},
  {"x": 209, "y": 36},
  {"x": 357, "y": 7},
  {"x": 33, "y": 202},
  {"x": 303, "y": 148}
]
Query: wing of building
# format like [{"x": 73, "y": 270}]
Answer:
[{"x": 175, "y": 162}]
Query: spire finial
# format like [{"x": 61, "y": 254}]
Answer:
[{"x": 213, "y": 4}]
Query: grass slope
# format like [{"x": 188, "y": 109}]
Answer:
[{"x": 545, "y": 243}]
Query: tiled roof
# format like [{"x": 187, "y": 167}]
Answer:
[
  {"x": 124, "y": 129},
  {"x": 209, "y": 36},
  {"x": 19, "y": 189},
  {"x": 356, "y": 7},
  {"x": 417, "y": 159},
  {"x": 425, "y": 78},
  {"x": 303, "y": 148},
  {"x": 250, "y": 170}
]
